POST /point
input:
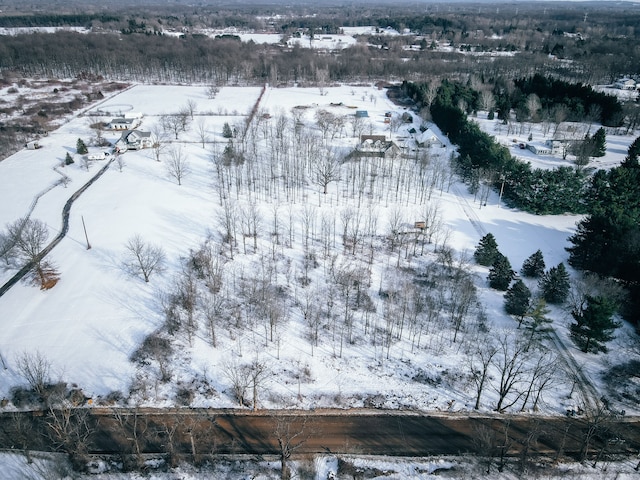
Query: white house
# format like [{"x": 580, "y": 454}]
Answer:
[
  {"x": 376, "y": 146},
  {"x": 559, "y": 146},
  {"x": 134, "y": 140},
  {"x": 428, "y": 138},
  {"x": 625, "y": 84},
  {"x": 540, "y": 148}
]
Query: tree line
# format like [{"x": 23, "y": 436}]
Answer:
[
  {"x": 482, "y": 160},
  {"x": 54, "y": 20}
]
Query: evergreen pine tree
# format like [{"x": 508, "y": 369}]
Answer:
[
  {"x": 599, "y": 143},
  {"x": 594, "y": 325},
  {"x": 500, "y": 273},
  {"x": 517, "y": 300},
  {"x": 81, "y": 148},
  {"x": 486, "y": 251},
  {"x": 533, "y": 267},
  {"x": 633, "y": 152},
  {"x": 226, "y": 130},
  {"x": 68, "y": 159},
  {"x": 538, "y": 321},
  {"x": 554, "y": 284}
]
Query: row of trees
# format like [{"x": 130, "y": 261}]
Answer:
[
  {"x": 63, "y": 427},
  {"x": 482, "y": 160}
]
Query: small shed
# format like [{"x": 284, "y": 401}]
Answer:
[
  {"x": 97, "y": 156},
  {"x": 32, "y": 145},
  {"x": 362, "y": 114}
]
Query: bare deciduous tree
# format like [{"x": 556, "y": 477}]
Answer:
[
  {"x": 291, "y": 435},
  {"x": 327, "y": 170},
  {"x": 487, "y": 100},
  {"x": 484, "y": 440},
  {"x": 533, "y": 106},
  {"x": 258, "y": 372},
  {"x": 175, "y": 122},
  {"x": 35, "y": 368},
  {"x": 201, "y": 130},
  {"x": 131, "y": 425},
  {"x": 240, "y": 378},
  {"x": 479, "y": 361},
  {"x": 159, "y": 141},
  {"x": 511, "y": 363},
  {"x": 29, "y": 238},
  {"x": 177, "y": 165},
  {"x": 144, "y": 258},
  {"x": 227, "y": 220},
  {"x": 70, "y": 430},
  {"x": 191, "y": 107},
  {"x": 212, "y": 91}
]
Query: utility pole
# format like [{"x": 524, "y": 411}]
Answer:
[{"x": 85, "y": 233}]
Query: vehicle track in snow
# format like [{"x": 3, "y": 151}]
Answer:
[
  {"x": 468, "y": 210},
  {"x": 66, "y": 210},
  {"x": 588, "y": 392}
]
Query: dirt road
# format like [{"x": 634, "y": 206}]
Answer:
[{"x": 369, "y": 432}]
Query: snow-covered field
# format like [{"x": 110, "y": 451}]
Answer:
[{"x": 97, "y": 315}]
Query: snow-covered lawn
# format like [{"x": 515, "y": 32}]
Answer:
[
  {"x": 322, "y": 467},
  {"x": 91, "y": 322}
]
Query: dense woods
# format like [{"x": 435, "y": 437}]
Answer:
[{"x": 475, "y": 44}]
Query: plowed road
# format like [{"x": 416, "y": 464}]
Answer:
[{"x": 349, "y": 431}]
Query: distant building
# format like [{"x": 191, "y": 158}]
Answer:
[
  {"x": 362, "y": 114},
  {"x": 625, "y": 84}
]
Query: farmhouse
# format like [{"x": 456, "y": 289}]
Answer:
[
  {"x": 376, "y": 146},
  {"x": 428, "y": 138},
  {"x": 134, "y": 140}
]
